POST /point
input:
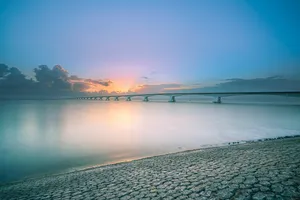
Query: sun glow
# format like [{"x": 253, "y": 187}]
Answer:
[{"x": 119, "y": 86}]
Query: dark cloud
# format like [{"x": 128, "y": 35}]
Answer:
[
  {"x": 60, "y": 73},
  {"x": 55, "y": 78},
  {"x": 13, "y": 80},
  {"x": 48, "y": 81},
  {"x": 3, "y": 70},
  {"x": 15, "y": 72},
  {"x": 80, "y": 86},
  {"x": 43, "y": 75},
  {"x": 74, "y": 77}
]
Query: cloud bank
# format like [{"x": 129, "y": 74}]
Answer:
[
  {"x": 56, "y": 81},
  {"x": 274, "y": 83},
  {"x": 46, "y": 81}
]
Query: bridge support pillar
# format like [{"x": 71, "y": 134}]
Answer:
[
  {"x": 128, "y": 99},
  {"x": 101, "y": 98},
  {"x": 172, "y": 99},
  {"x": 218, "y": 100},
  {"x": 146, "y": 99},
  {"x": 107, "y": 99},
  {"x": 116, "y": 98}
]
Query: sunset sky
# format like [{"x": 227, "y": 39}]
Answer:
[{"x": 136, "y": 44}]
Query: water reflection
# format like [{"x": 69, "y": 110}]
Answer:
[{"x": 50, "y": 136}]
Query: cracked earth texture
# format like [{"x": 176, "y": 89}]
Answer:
[{"x": 260, "y": 170}]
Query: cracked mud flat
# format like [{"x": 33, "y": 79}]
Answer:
[{"x": 260, "y": 170}]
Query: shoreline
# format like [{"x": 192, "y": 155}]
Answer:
[
  {"x": 268, "y": 169},
  {"x": 202, "y": 147},
  {"x": 112, "y": 164}
]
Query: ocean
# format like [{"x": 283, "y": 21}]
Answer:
[{"x": 56, "y": 136}]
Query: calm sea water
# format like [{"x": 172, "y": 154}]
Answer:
[{"x": 38, "y": 137}]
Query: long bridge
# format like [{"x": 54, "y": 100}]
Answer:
[{"x": 172, "y": 96}]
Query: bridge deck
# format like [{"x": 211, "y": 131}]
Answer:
[{"x": 214, "y": 94}]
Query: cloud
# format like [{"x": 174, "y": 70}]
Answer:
[
  {"x": 80, "y": 86},
  {"x": 100, "y": 82},
  {"x": 48, "y": 81},
  {"x": 273, "y": 83},
  {"x": 56, "y": 81},
  {"x": 91, "y": 85},
  {"x": 154, "y": 88},
  {"x": 74, "y": 77},
  {"x": 87, "y": 84},
  {"x": 12, "y": 80},
  {"x": 55, "y": 78},
  {"x": 3, "y": 70},
  {"x": 15, "y": 72},
  {"x": 60, "y": 73}
]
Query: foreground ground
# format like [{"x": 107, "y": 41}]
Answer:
[{"x": 261, "y": 170}]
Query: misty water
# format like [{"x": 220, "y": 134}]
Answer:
[{"x": 42, "y": 137}]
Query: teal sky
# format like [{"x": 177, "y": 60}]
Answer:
[{"x": 165, "y": 41}]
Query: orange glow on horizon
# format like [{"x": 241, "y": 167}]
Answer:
[{"x": 119, "y": 86}]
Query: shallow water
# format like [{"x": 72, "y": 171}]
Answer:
[{"x": 38, "y": 137}]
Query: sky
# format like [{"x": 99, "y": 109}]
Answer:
[{"x": 136, "y": 44}]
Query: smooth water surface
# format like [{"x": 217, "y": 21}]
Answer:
[{"x": 38, "y": 137}]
